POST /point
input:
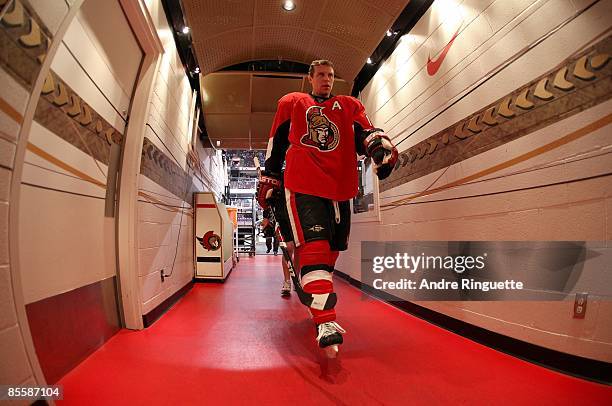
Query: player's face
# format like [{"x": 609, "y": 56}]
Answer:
[
  {"x": 321, "y": 135},
  {"x": 322, "y": 80}
]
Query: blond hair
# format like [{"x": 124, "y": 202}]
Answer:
[{"x": 319, "y": 62}]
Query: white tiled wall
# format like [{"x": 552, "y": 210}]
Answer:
[
  {"x": 12, "y": 352},
  {"x": 158, "y": 225},
  {"x": 171, "y": 100},
  {"x": 402, "y": 96},
  {"x": 16, "y": 368},
  {"x": 58, "y": 201},
  {"x": 159, "y": 242},
  {"x": 51, "y": 12}
]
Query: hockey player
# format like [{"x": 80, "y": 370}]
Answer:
[
  {"x": 268, "y": 228},
  {"x": 282, "y": 218},
  {"x": 319, "y": 136}
]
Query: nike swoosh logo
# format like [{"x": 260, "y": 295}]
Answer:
[{"x": 433, "y": 66}]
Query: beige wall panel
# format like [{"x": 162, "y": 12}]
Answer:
[
  {"x": 215, "y": 174},
  {"x": 70, "y": 72},
  {"x": 546, "y": 55},
  {"x": 69, "y": 155},
  {"x": 7, "y": 153},
  {"x": 168, "y": 105},
  {"x": 581, "y": 4},
  {"x": 8, "y": 317},
  {"x": 172, "y": 80},
  {"x": 151, "y": 260},
  {"x": 516, "y": 330},
  {"x": 501, "y": 13},
  {"x": 594, "y": 349},
  {"x": 50, "y": 12},
  {"x": 592, "y": 144},
  {"x": 428, "y": 37},
  {"x": 148, "y": 186},
  {"x": 521, "y": 215},
  {"x": 8, "y": 127},
  {"x": 13, "y": 93},
  {"x": 109, "y": 32},
  {"x": 150, "y": 286},
  {"x": 349, "y": 262},
  {"x": 471, "y": 9},
  {"x": 592, "y": 281},
  {"x": 151, "y": 234},
  {"x": 169, "y": 235},
  {"x": 170, "y": 115},
  {"x": 5, "y": 184},
  {"x": 159, "y": 232},
  {"x": 83, "y": 46},
  {"x": 65, "y": 242},
  {"x": 539, "y": 314},
  {"x": 4, "y": 254},
  {"x": 158, "y": 17},
  {"x": 183, "y": 274},
  {"x": 596, "y": 141},
  {"x": 161, "y": 136},
  {"x": 603, "y": 329},
  {"x": 158, "y": 229},
  {"x": 12, "y": 352},
  {"x": 466, "y": 47},
  {"x": 608, "y": 219},
  {"x": 576, "y": 221},
  {"x": 155, "y": 213},
  {"x": 536, "y": 61}
]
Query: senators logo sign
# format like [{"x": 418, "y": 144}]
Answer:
[
  {"x": 322, "y": 133},
  {"x": 210, "y": 241}
]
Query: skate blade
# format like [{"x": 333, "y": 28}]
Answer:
[{"x": 331, "y": 351}]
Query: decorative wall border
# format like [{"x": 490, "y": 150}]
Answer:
[
  {"x": 24, "y": 43},
  {"x": 156, "y": 166},
  {"x": 63, "y": 112},
  {"x": 580, "y": 82}
]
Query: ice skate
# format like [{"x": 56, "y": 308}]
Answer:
[
  {"x": 286, "y": 289},
  {"x": 330, "y": 337}
]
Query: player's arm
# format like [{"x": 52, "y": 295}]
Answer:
[
  {"x": 374, "y": 143},
  {"x": 278, "y": 143}
]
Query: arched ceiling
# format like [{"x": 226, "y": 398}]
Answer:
[
  {"x": 227, "y": 32},
  {"x": 238, "y": 107}
]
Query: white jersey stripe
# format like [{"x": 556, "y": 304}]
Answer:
[
  {"x": 296, "y": 237},
  {"x": 316, "y": 276},
  {"x": 269, "y": 149}
]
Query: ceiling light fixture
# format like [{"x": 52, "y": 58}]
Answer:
[
  {"x": 197, "y": 69},
  {"x": 288, "y": 5},
  {"x": 389, "y": 33},
  {"x": 369, "y": 61},
  {"x": 185, "y": 30}
]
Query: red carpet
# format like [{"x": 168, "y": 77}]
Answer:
[{"x": 241, "y": 343}]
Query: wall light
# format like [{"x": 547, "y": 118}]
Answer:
[
  {"x": 185, "y": 30},
  {"x": 369, "y": 61},
  {"x": 288, "y": 5},
  {"x": 218, "y": 143}
]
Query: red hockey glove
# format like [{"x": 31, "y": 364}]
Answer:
[
  {"x": 383, "y": 153},
  {"x": 266, "y": 188}
]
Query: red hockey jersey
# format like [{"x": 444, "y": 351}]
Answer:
[{"x": 321, "y": 158}]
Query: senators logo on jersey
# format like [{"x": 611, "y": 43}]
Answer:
[{"x": 322, "y": 133}]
